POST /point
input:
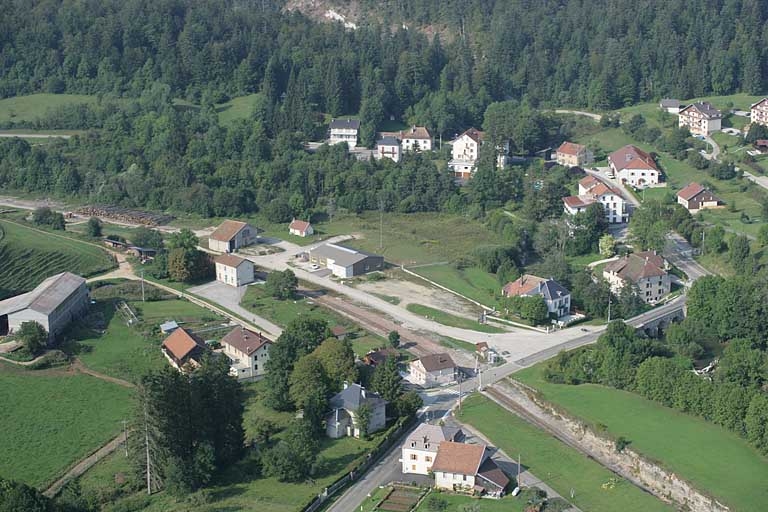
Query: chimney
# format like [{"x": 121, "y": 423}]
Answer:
[
  {"x": 362, "y": 391},
  {"x": 413, "y": 129},
  {"x": 346, "y": 384}
]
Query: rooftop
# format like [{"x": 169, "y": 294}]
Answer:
[
  {"x": 345, "y": 124},
  {"x": 181, "y": 343},
  {"x": 571, "y": 148},
  {"x": 245, "y": 340},
  {"x": 705, "y": 108},
  {"x": 343, "y": 256},
  {"x": 388, "y": 141},
  {"x": 300, "y": 225},
  {"x": 435, "y": 362},
  {"x": 46, "y": 297},
  {"x": 230, "y": 260},
  {"x": 691, "y": 191},
  {"x": 460, "y": 458},
  {"x": 428, "y": 437},
  {"x": 632, "y": 157},
  {"x": 636, "y": 266},
  {"x": 353, "y": 396},
  {"x": 227, "y": 230}
]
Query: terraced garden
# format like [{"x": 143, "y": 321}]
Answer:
[{"x": 29, "y": 256}]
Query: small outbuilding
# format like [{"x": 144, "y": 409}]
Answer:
[
  {"x": 183, "y": 349},
  {"x": 300, "y": 228},
  {"x": 345, "y": 262}
]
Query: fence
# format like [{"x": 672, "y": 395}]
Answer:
[{"x": 373, "y": 457}]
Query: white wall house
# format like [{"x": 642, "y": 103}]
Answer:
[
  {"x": 433, "y": 370},
  {"x": 701, "y": 118},
  {"x": 388, "y": 147},
  {"x": 344, "y": 130},
  {"x": 300, "y": 228},
  {"x": 633, "y": 166},
  {"x": 556, "y": 296},
  {"x": 248, "y": 352},
  {"x": 758, "y": 112},
  {"x": 234, "y": 270},
  {"x": 465, "y": 150},
  {"x": 342, "y": 420},
  {"x": 232, "y": 235},
  {"x": 420, "y": 447},
  {"x": 54, "y": 303},
  {"x": 592, "y": 190},
  {"x": 468, "y": 468},
  {"x": 570, "y": 154},
  {"x": 416, "y": 139},
  {"x": 645, "y": 271}
]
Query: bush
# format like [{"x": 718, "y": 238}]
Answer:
[{"x": 436, "y": 503}]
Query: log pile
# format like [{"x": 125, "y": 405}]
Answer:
[{"x": 126, "y": 215}]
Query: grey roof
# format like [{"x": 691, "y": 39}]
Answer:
[
  {"x": 388, "y": 141},
  {"x": 353, "y": 396},
  {"x": 550, "y": 290},
  {"x": 345, "y": 124},
  {"x": 669, "y": 102},
  {"x": 428, "y": 437},
  {"x": 706, "y": 108},
  {"x": 169, "y": 326},
  {"x": 46, "y": 297},
  {"x": 341, "y": 255}
]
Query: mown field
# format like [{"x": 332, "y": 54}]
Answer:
[
  {"x": 558, "y": 465},
  {"x": 29, "y": 256},
  {"x": 456, "y": 503},
  {"x": 713, "y": 459},
  {"x": 21, "y": 109},
  {"x": 471, "y": 282},
  {"x": 451, "y": 320},
  {"x": 52, "y": 418}
]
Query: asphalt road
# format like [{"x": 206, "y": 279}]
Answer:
[{"x": 680, "y": 254}]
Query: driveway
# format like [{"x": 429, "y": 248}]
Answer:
[
  {"x": 680, "y": 254},
  {"x": 715, "y": 148},
  {"x": 760, "y": 180},
  {"x": 229, "y": 298}
]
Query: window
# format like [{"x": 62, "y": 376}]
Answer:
[
  {"x": 464, "y": 477},
  {"x": 414, "y": 456},
  {"x": 413, "y": 444},
  {"x": 256, "y": 367},
  {"x": 413, "y": 467},
  {"x": 428, "y": 458}
]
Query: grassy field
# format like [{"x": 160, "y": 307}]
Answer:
[
  {"x": 560, "y": 466},
  {"x": 29, "y": 108},
  {"x": 237, "y": 108},
  {"x": 240, "y": 487},
  {"x": 456, "y": 503},
  {"x": 451, "y": 320},
  {"x": 713, "y": 459},
  {"x": 29, "y": 256},
  {"x": 471, "y": 282},
  {"x": 51, "y": 419}
]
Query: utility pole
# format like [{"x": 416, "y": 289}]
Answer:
[
  {"x": 125, "y": 436},
  {"x": 381, "y": 222},
  {"x": 519, "y": 458},
  {"x": 459, "y": 392},
  {"x": 609, "y": 307},
  {"x": 146, "y": 447},
  {"x": 142, "y": 286}
]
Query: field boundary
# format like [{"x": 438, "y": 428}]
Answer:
[{"x": 84, "y": 464}]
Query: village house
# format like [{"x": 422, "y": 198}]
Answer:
[
  {"x": 345, "y": 262},
  {"x": 420, "y": 447},
  {"x": 633, "y": 166},
  {"x": 433, "y": 370},
  {"x": 232, "y": 235},
  {"x": 300, "y": 228},
  {"x": 248, "y": 352},
  {"x": 695, "y": 197},
  {"x": 342, "y": 420},
  {"x": 570, "y": 154},
  {"x": 758, "y": 112},
  {"x": 233, "y": 270},
  {"x": 593, "y": 190},
  {"x": 388, "y": 147},
  {"x": 377, "y": 357},
  {"x": 54, "y": 303},
  {"x": 486, "y": 353},
  {"x": 416, "y": 139},
  {"x": 701, "y": 118},
  {"x": 761, "y": 145},
  {"x": 183, "y": 349},
  {"x": 344, "y": 130},
  {"x": 645, "y": 271},
  {"x": 670, "y": 105},
  {"x": 556, "y": 296},
  {"x": 468, "y": 468},
  {"x": 465, "y": 150}
]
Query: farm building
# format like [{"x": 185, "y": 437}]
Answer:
[
  {"x": 231, "y": 235},
  {"x": 345, "y": 262},
  {"x": 300, "y": 228},
  {"x": 183, "y": 349},
  {"x": 53, "y": 304}
]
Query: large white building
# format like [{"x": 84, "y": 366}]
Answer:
[
  {"x": 232, "y": 235},
  {"x": 344, "y": 130},
  {"x": 54, "y": 303},
  {"x": 433, "y": 370},
  {"x": 468, "y": 468},
  {"x": 556, "y": 296},
  {"x": 633, "y": 166},
  {"x": 646, "y": 272},
  {"x": 248, "y": 352},
  {"x": 701, "y": 118},
  {"x": 592, "y": 190},
  {"x": 388, "y": 147},
  {"x": 420, "y": 447},
  {"x": 758, "y": 112},
  {"x": 465, "y": 150},
  {"x": 233, "y": 270},
  {"x": 345, "y": 262},
  {"x": 416, "y": 139}
]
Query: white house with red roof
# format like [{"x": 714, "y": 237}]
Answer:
[
  {"x": 645, "y": 271},
  {"x": 555, "y": 295},
  {"x": 465, "y": 150},
  {"x": 694, "y": 197},
  {"x": 300, "y": 228},
  {"x": 758, "y": 112},
  {"x": 633, "y": 166},
  {"x": 468, "y": 468},
  {"x": 592, "y": 190},
  {"x": 570, "y": 154},
  {"x": 701, "y": 118},
  {"x": 248, "y": 352},
  {"x": 183, "y": 349},
  {"x": 233, "y": 270}
]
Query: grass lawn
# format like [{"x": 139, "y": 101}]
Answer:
[
  {"x": 21, "y": 109},
  {"x": 456, "y": 503},
  {"x": 471, "y": 282},
  {"x": 107, "y": 229},
  {"x": 52, "y": 419},
  {"x": 713, "y": 459},
  {"x": 29, "y": 256},
  {"x": 236, "y": 108},
  {"x": 560, "y": 466},
  {"x": 451, "y": 320},
  {"x": 578, "y": 262}
]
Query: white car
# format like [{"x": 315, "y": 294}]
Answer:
[{"x": 314, "y": 266}]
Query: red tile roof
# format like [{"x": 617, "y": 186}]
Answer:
[
  {"x": 521, "y": 285},
  {"x": 180, "y": 344},
  {"x": 636, "y": 266},
  {"x": 570, "y": 148},
  {"x": 415, "y": 132},
  {"x": 632, "y": 157},
  {"x": 472, "y": 133},
  {"x": 245, "y": 340},
  {"x": 691, "y": 191},
  {"x": 299, "y": 225},
  {"x": 227, "y": 230},
  {"x": 229, "y": 260},
  {"x": 460, "y": 458},
  {"x": 589, "y": 181},
  {"x": 578, "y": 201}
]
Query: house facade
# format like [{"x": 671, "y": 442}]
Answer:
[
  {"x": 420, "y": 447},
  {"x": 416, "y": 139},
  {"x": 701, "y": 118},
  {"x": 433, "y": 370},
  {"x": 300, "y": 228},
  {"x": 645, "y": 271},
  {"x": 555, "y": 295},
  {"x": 342, "y": 420},
  {"x": 695, "y": 197},
  {"x": 233, "y": 270},
  {"x": 592, "y": 190},
  {"x": 344, "y": 130},
  {"x": 345, "y": 262},
  {"x": 570, "y": 154},
  {"x": 388, "y": 147},
  {"x": 468, "y": 468},
  {"x": 248, "y": 353},
  {"x": 758, "y": 112},
  {"x": 633, "y": 166},
  {"x": 232, "y": 235},
  {"x": 183, "y": 350},
  {"x": 670, "y": 105},
  {"x": 465, "y": 150},
  {"x": 54, "y": 303}
]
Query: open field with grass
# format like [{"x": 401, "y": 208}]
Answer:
[
  {"x": 713, "y": 459},
  {"x": 29, "y": 256},
  {"x": 22, "y": 109},
  {"x": 107, "y": 229},
  {"x": 241, "y": 487},
  {"x": 455, "y": 503},
  {"x": 471, "y": 282},
  {"x": 52, "y": 418},
  {"x": 451, "y": 320},
  {"x": 560, "y": 466}
]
